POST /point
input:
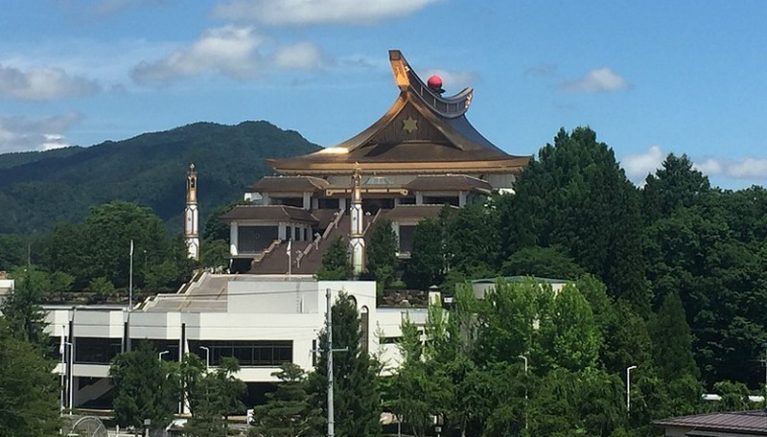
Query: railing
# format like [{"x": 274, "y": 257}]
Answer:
[
  {"x": 371, "y": 222},
  {"x": 316, "y": 242}
]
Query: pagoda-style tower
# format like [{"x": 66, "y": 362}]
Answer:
[
  {"x": 419, "y": 156},
  {"x": 191, "y": 220},
  {"x": 357, "y": 240}
]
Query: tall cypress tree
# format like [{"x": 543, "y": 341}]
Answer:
[
  {"x": 577, "y": 197},
  {"x": 382, "y": 252},
  {"x": 672, "y": 346},
  {"x": 356, "y": 398}
]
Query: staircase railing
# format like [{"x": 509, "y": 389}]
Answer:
[
  {"x": 371, "y": 222},
  {"x": 315, "y": 244}
]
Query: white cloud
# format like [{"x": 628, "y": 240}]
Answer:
[
  {"x": 748, "y": 168},
  {"x": 298, "y": 12},
  {"x": 456, "y": 80},
  {"x": 237, "y": 52},
  {"x": 300, "y": 56},
  {"x": 709, "y": 166},
  {"x": 638, "y": 166},
  {"x": 23, "y": 133},
  {"x": 596, "y": 81},
  {"x": 229, "y": 50},
  {"x": 42, "y": 83}
]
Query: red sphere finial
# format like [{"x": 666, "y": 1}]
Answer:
[{"x": 434, "y": 82}]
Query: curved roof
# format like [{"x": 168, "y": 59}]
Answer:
[
  {"x": 421, "y": 131},
  {"x": 288, "y": 184}
]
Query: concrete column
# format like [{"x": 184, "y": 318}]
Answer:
[
  {"x": 342, "y": 203},
  {"x": 395, "y": 228},
  {"x": 418, "y": 198},
  {"x": 462, "y": 198},
  {"x": 282, "y": 233},
  {"x": 265, "y": 199},
  {"x": 233, "y": 245},
  {"x": 307, "y": 200}
]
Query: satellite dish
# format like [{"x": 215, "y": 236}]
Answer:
[{"x": 89, "y": 426}]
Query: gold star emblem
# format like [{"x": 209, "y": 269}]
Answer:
[{"x": 410, "y": 125}]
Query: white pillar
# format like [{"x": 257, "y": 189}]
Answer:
[
  {"x": 462, "y": 198},
  {"x": 233, "y": 244},
  {"x": 282, "y": 231},
  {"x": 418, "y": 198},
  {"x": 307, "y": 201}
]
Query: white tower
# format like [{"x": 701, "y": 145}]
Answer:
[
  {"x": 191, "y": 221},
  {"x": 357, "y": 242}
]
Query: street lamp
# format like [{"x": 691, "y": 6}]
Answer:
[
  {"x": 66, "y": 376},
  {"x": 207, "y": 358},
  {"x": 159, "y": 356},
  {"x": 524, "y": 358},
  {"x": 764, "y": 345},
  {"x": 628, "y": 387}
]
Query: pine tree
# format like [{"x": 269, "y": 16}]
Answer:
[
  {"x": 289, "y": 411},
  {"x": 427, "y": 259},
  {"x": 382, "y": 252},
  {"x": 672, "y": 346},
  {"x": 576, "y": 196},
  {"x": 335, "y": 262},
  {"x": 144, "y": 388},
  {"x": 357, "y": 400},
  {"x": 23, "y": 313},
  {"x": 28, "y": 388}
]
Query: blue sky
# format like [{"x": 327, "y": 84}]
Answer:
[{"x": 650, "y": 77}]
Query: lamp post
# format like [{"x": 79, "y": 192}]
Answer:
[
  {"x": 628, "y": 387},
  {"x": 764, "y": 345},
  {"x": 66, "y": 377},
  {"x": 524, "y": 358},
  {"x": 207, "y": 358},
  {"x": 159, "y": 356}
]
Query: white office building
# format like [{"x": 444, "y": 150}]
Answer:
[{"x": 262, "y": 321}]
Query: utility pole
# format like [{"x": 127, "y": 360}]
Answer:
[
  {"x": 628, "y": 387},
  {"x": 330, "y": 350},
  {"x": 329, "y": 319}
]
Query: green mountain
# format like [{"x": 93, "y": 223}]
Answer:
[{"x": 41, "y": 189}]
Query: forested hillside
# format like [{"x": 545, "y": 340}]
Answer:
[{"x": 41, "y": 189}]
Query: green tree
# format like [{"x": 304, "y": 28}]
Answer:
[
  {"x": 12, "y": 252},
  {"x": 672, "y": 346},
  {"x": 357, "y": 400},
  {"x": 101, "y": 288},
  {"x": 382, "y": 252},
  {"x": 335, "y": 262},
  {"x": 417, "y": 376},
  {"x": 146, "y": 388},
  {"x": 427, "y": 259},
  {"x": 22, "y": 311},
  {"x": 471, "y": 243},
  {"x": 675, "y": 185},
  {"x": 28, "y": 388},
  {"x": 545, "y": 262},
  {"x": 289, "y": 411},
  {"x": 215, "y": 253},
  {"x": 574, "y": 192},
  {"x": 212, "y": 396}
]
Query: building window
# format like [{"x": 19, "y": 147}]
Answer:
[
  {"x": 258, "y": 353},
  {"x": 328, "y": 204},
  {"x": 94, "y": 350},
  {"x": 441, "y": 200}
]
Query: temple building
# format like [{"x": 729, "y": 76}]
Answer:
[{"x": 420, "y": 155}]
